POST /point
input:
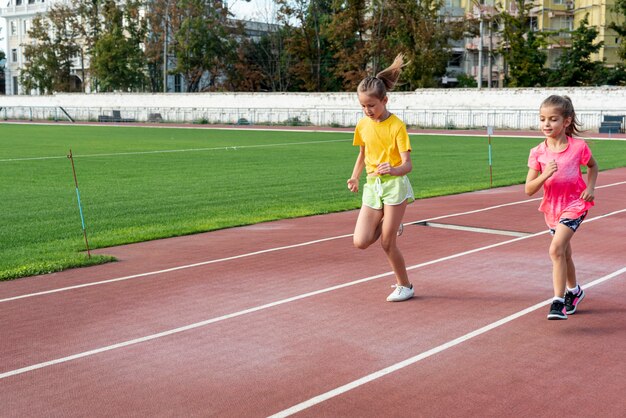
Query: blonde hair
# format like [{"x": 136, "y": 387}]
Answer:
[
  {"x": 566, "y": 107},
  {"x": 384, "y": 81}
]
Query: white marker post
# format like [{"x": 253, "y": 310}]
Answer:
[{"x": 489, "y": 133}]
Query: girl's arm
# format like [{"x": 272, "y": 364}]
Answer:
[
  {"x": 401, "y": 170},
  {"x": 353, "y": 181},
  {"x": 535, "y": 179},
  {"x": 592, "y": 174}
]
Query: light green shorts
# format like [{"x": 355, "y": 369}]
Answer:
[{"x": 387, "y": 190}]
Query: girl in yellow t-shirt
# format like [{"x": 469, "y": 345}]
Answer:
[{"x": 385, "y": 153}]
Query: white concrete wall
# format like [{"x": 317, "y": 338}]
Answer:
[
  {"x": 457, "y": 108},
  {"x": 588, "y": 98}
]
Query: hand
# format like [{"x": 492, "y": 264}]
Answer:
[
  {"x": 588, "y": 195},
  {"x": 550, "y": 169},
  {"x": 353, "y": 185},
  {"x": 383, "y": 168}
]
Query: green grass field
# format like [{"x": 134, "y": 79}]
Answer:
[{"x": 139, "y": 184}]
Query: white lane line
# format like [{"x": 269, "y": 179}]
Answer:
[
  {"x": 203, "y": 263},
  {"x": 475, "y": 229},
  {"x": 269, "y": 250},
  {"x": 225, "y": 148},
  {"x": 267, "y": 306},
  {"x": 412, "y": 360},
  {"x": 187, "y": 266}
]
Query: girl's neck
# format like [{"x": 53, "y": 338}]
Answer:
[
  {"x": 557, "y": 144},
  {"x": 384, "y": 116}
]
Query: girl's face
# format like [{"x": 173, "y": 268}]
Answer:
[
  {"x": 553, "y": 123},
  {"x": 373, "y": 107}
]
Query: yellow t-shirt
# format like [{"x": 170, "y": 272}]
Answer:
[{"x": 383, "y": 141}]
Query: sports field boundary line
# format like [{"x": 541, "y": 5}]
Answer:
[
  {"x": 268, "y": 250},
  {"x": 428, "y": 353},
  {"x": 313, "y": 129},
  {"x": 268, "y": 305},
  {"x": 224, "y": 148}
]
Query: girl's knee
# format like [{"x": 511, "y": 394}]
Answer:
[
  {"x": 360, "y": 243},
  {"x": 557, "y": 251},
  {"x": 388, "y": 244}
]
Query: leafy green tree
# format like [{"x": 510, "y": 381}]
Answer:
[
  {"x": 466, "y": 81},
  {"x": 610, "y": 76},
  {"x": 522, "y": 49},
  {"x": 347, "y": 34},
  {"x": 619, "y": 26},
  {"x": 312, "y": 62},
  {"x": 50, "y": 58},
  {"x": 575, "y": 66},
  {"x": 262, "y": 65},
  {"x": 159, "y": 17},
  {"x": 203, "y": 44},
  {"x": 118, "y": 62},
  {"x": 421, "y": 32}
]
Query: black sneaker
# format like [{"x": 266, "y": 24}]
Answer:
[
  {"x": 572, "y": 300},
  {"x": 557, "y": 310}
]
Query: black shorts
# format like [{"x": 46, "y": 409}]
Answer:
[{"x": 572, "y": 224}]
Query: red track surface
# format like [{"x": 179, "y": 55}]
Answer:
[{"x": 277, "y": 317}]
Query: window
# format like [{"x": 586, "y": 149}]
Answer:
[
  {"x": 18, "y": 2},
  {"x": 13, "y": 28},
  {"x": 14, "y": 55},
  {"x": 562, "y": 23},
  {"x": 15, "y": 85},
  {"x": 455, "y": 59},
  {"x": 177, "y": 83}
]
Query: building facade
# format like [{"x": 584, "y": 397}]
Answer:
[
  {"x": 18, "y": 16},
  {"x": 476, "y": 57},
  {"x": 479, "y": 57}
]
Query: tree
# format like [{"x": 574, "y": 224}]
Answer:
[
  {"x": 118, "y": 62},
  {"x": 312, "y": 63},
  {"x": 158, "y": 14},
  {"x": 620, "y": 26},
  {"x": 347, "y": 35},
  {"x": 522, "y": 49},
  {"x": 575, "y": 67},
  {"x": 203, "y": 44},
  {"x": 49, "y": 59},
  {"x": 262, "y": 65},
  {"x": 421, "y": 32}
]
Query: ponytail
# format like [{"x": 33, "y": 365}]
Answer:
[{"x": 384, "y": 81}]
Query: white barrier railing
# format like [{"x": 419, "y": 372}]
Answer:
[{"x": 522, "y": 119}]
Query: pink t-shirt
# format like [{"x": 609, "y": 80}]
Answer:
[{"x": 561, "y": 192}]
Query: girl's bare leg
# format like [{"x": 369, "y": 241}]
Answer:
[
  {"x": 561, "y": 256},
  {"x": 390, "y": 224},
  {"x": 571, "y": 269},
  {"x": 368, "y": 227}
]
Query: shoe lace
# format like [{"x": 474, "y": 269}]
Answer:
[
  {"x": 399, "y": 288},
  {"x": 569, "y": 298}
]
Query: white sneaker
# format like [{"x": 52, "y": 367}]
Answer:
[
  {"x": 400, "y": 229},
  {"x": 401, "y": 293}
]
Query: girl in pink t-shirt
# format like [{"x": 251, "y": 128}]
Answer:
[{"x": 555, "y": 165}]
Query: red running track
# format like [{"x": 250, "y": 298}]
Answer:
[{"x": 287, "y": 317}]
